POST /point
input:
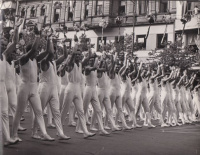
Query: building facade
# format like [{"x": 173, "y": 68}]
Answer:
[
  {"x": 91, "y": 12},
  {"x": 191, "y": 28},
  {"x": 7, "y": 16}
]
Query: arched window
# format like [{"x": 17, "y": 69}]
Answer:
[
  {"x": 33, "y": 12},
  {"x": 23, "y": 13},
  {"x": 43, "y": 9},
  {"x": 57, "y": 11}
]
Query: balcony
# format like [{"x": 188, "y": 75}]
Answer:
[{"x": 191, "y": 24}]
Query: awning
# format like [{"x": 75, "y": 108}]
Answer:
[{"x": 8, "y": 5}]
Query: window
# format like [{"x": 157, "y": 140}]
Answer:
[
  {"x": 141, "y": 40},
  {"x": 99, "y": 42},
  {"x": 86, "y": 9},
  {"x": 68, "y": 43},
  {"x": 56, "y": 15},
  {"x": 70, "y": 14},
  {"x": 119, "y": 39},
  {"x": 99, "y": 7},
  {"x": 122, "y": 8},
  {"x": 43, "y": 10},
  {"x": 159, "y": 39},
  {"x": 142, "y": 7},
  {"x": 86, "y": 14},
  {"x": 99, "y": 10},
  {"x": 23, "y": 13},
  {"x": 57, "y": 11},
  {"x": 163, "y": 6},
  {"x": 33, "y": 12},
  {"x": 88, "y": 40}
]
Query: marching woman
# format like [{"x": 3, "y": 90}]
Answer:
[
  {"x": 196, "y": 98},
  {"x": 153, "y": 97},
  {"x": 28, "y": 90},
  {"x": 189, "y": 98},
  {"x": 182, "y": 97},
  {"x": 73, "y": 92},
  {"x": 172, "y": 114},
  {"x": 166, "y": 98},
  {"x": 115, "y": 95},
  {"x": 126, "y": 96},
  {"x": 11, "y": 82},
  {"x": 141, "y": 96},
  {"x": 90, "y": 94},
  {"x": 3, "y": 94},
  {"x": 48, "y": 88},
  {"x": 103, "y": 92}
]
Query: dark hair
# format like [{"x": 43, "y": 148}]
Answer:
[{"x": 28, "y": 47}]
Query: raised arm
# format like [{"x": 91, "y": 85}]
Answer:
[
  {"x": 124, "y": 71},
  {"x": 181, "y": 79},
  {"x": 163, "y": 72},
  {"x": 88, "y": 69},
  {"x": 44, "y": 53},
  {"x": 157, "y": 74},
  {"x": 100, "y": 68},
  {"x": 112, "y": 68},
  {"x": 63, "y": 57},
  {"x": 24, "y": 59},
  {"x": 138, "y": 74},
  {"x": 124, "y": 66},
  {"x": 12, "y": 46},
  {"x": 170, "y": 76},
  {"x": 191, "y": 81}
]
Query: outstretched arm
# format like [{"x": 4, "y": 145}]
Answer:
[
  {"x": 44, "y": 53},
  {"x": 100, "y": 68},
  {"x": 139, "y": 72},
  {"x": 181, "y": 79},
  {"x": 170, "y": 76},
  {"x": 124, "y": 66},
  {"x": 63, "y": 57},
  {"x": 163, "y": 73},
  {"x": 111, "y": 71},
  {"x": 123, "y": 73},
  {"x": 24, "y": 59},
  {"x": 158, "y": 73}
]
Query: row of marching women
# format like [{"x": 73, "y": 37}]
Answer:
[{"x": 105, "y": 96}]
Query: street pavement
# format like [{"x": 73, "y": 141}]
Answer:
[{"x": 183, "y": 140}]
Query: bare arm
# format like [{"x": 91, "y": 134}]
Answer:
[
  {"x": 158, "y": 73},
  {"x": 111, "y": 71},
  {"x": 139, "y": 72},
  {"x": 44, "y": 53},
  {"x": 165, "y": 80},
  {"x": 63, "y": 57},
  {"x": 181, "y": 79},
  {"x": 12, "y": 45},
  {"x": 124, "y": 66},
  {"x": 24, "y": 59}
]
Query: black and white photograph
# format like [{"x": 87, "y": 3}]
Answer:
[{"x": 99, "y": 77}]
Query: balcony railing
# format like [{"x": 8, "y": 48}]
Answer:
[{"x": 93, "y": 21}]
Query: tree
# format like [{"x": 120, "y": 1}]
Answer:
[
  {"x": 171, "y": 55},
  {"x": 128, "y": 44},
  {"x": 83, "y": 42}
]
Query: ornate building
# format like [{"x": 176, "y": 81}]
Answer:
[
  {"x": 8, "y": 10},
  {"x": 90, "y": 12}
]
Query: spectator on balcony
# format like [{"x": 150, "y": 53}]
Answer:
[{"x": 196, "y": 10}]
